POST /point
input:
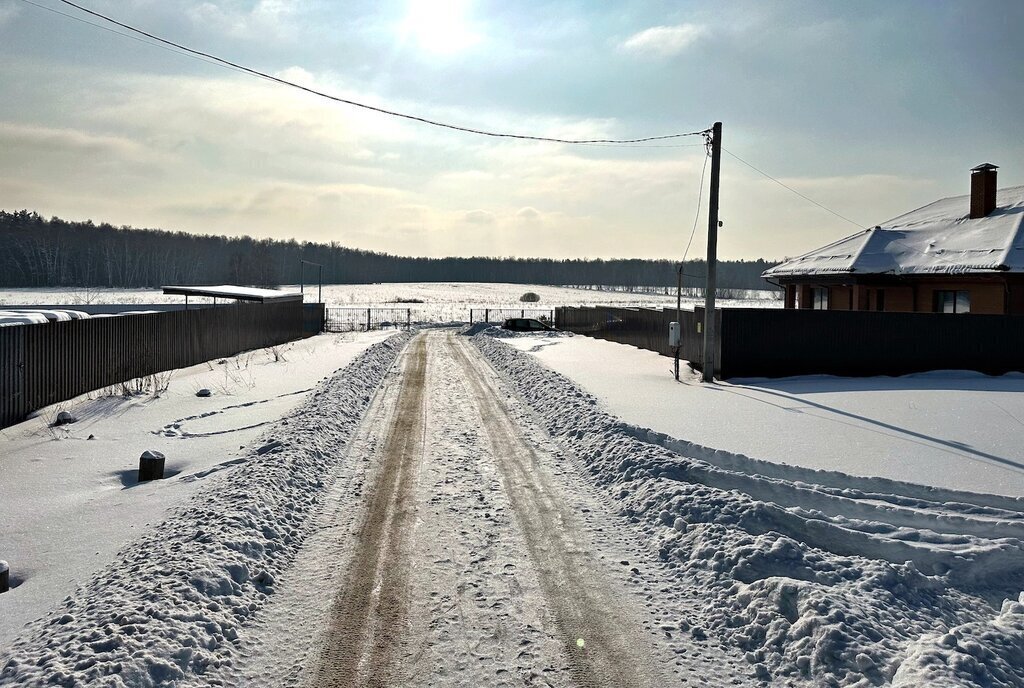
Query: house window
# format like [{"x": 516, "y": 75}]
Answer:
[
  {"x": 949, "y": 301},
  {"x": 819, "y": 298},
  {"x": 880, "y": 299}
]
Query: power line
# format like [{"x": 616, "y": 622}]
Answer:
[
  {"x": 612, "y": 145},
  {"x": 696, "y": 217},
  {"x": 124, "y": 34},
  {"x": 393, "y": 113},
  {"x": 789, "y": 188},
  {"x": 185, "y": 51},
  {"x": 894, "y": 240}
]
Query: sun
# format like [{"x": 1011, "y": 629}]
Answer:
[{"x": 440, "y": 26}]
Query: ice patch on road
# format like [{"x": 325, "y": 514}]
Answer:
[
  {"x": 169, "y": 608},
  {"x": 819, "y": 576}
]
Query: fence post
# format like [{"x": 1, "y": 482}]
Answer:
[
  {"x": 367, "y": 319},
  {"x": 487, "y": 315},
  {"x": 408, "y": 319},
  {"x": 470, "y": 316}
]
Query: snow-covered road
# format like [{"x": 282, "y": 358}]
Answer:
[{"x": 480, "y": 557}]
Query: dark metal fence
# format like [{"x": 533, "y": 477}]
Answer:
[
  {"x": 364, "y": 319},
  {"x": 312, "y": 319},
  {"x": 762, "y": 342},
  {"x": 776, "y": 343},
  {"x": 46, "y": 363},
  {"x": 645, "y": 328},
  {"x": 500, "y": 315}
]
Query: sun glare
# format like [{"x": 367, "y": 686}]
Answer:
[{"x": 439, "y": 26}]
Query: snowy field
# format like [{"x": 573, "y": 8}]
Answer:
[
  {"x": 69, "y": 499},
  {"x": 953, "y": 429},
  {"x": 441, "y": 302}
]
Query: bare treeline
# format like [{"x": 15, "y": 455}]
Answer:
[{"x": 36, "y": 252}]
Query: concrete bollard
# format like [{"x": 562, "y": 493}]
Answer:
[
  {"x": 151, "y": 466},
  {"x": 5, "y": 577}
]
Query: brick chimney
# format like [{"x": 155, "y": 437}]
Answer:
[{"x": 983, "y": 189}]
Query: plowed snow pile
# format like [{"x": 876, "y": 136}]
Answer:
[
  {"x": 818, "y": 575},
  {"x": 171, "y": 604}
]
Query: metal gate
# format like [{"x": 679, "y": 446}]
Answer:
[
  {"x": 365, "y": 319},
  {"x": 500, "y": 315}
]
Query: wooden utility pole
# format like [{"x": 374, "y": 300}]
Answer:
[{"x": 708, "y": 371}]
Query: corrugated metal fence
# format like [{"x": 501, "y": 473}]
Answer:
[
  {"x": 46, "y": 363},
  {"x": 645, "y": 328},
  {"x": 764, "y": 342},
  {"x": 775, "y": 343}
]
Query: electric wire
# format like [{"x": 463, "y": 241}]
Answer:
[
  {"x": 138, "y": 39},
  {"x": 696, "y": 217},
  {"x": 932, "y": 256},
  {"x": 178, "y": 49},
  {"x": 626, "y": 145},
  {"x": 789, "y": 188},
  {"x": 393, "y": 113}
]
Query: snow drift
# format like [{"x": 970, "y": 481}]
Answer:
[
  {"x": 171, "y": 605},
  {"x": 818, "y": 575}
]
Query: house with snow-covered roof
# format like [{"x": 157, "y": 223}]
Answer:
[{"x": 957, "y": 255}]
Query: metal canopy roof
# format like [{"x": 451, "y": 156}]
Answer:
[{"x": 230, "y": 291}]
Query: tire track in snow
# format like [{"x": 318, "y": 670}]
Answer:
[
  {"x": 478, "y": 617},
  {"x": 370, "y": 610},
  {"x": 604, "y": 644}
]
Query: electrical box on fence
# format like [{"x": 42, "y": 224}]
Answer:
[{"x": 673, "y": 334}]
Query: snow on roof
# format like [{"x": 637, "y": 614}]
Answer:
[
  {"x": 231, "y": 291},
  {"x": 60, "y": 314},
  {"x": 8, "y": 318},
  {"x": 939, "y": 238}
]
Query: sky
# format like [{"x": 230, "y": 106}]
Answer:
[{"x": 871, "y": 108}]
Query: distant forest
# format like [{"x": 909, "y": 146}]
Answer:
[{"x": 58, "y": 253}]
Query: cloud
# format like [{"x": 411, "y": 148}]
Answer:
[
  {"x": 479, "y": 217},
  {"x": 282, "y": 199},
  {"x": 8, "y": 12},
  {"x": 762, "y": 218},
  {"x": 267, "y": 19},
  {"x": 223, "y": 154},
  {"x": 528, "y": 215},
  {"x": 38, "y": 138},
  {"x": 663, "y": 41}
]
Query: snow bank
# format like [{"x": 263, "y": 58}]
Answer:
[
  {"x": 834, "y": 582},
  {"x": 952, "y": 430},
  {"x": 173, "y": 601},
  {"x": 492, "y": 330},
  {"x": 987, "y": 653}
]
